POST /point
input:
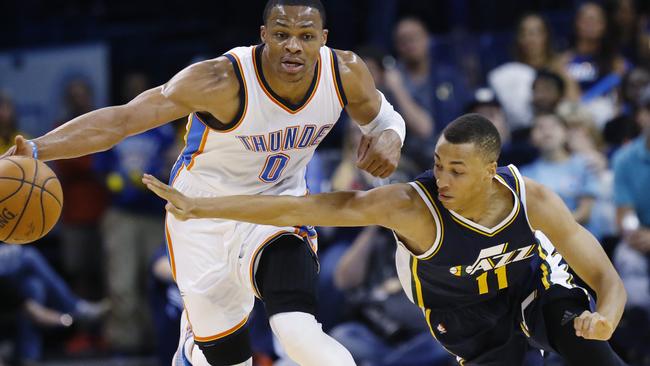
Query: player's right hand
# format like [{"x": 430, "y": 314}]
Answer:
[
  {"x": 593, "y": 326},
  {"x": 21, "y": 147},
  {"x": 178, "y": 204}
]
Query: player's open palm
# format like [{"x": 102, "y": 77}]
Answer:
[
  {"x": 178, "y": 204},
  {"x": 593, "y": 326}
]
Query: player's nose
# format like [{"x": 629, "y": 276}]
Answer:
[{"x": 293, "y": 45}]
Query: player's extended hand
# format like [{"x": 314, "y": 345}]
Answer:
[
  {"x": 593, "y": 326},
  {"x": 379, "y": 155},
  {"x": 178, "y": 204},
  {"x": 21, "y": 147}
]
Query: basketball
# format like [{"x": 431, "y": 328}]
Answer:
[{"x": 30, "y": 199}]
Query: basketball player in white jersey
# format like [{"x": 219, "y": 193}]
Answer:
[{"x": 256, "y": 116}]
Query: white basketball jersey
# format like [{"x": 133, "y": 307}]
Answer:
[{"x": 266, "y": 148}]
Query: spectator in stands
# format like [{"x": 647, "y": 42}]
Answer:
[
  {"x": 631, "y": 30},
  {"x": 632, "y": 198},
  {"x": 548, "y": 91},
  {"x": 595, "y": 61},
  {"x": 624, "y": 128},
  {"x": 132, "y": 228},
  {"x": 515, "y": 148},
  {"x": 81, "y": 244},
  {"x": 513, "y": 81},
  {"x": 438, "y": 88},
  {"x": 419, "y": 120},
  {"x": 41, "y": 290},
  {"x": 166, "y": 306},
  {"x": 387, "y": 329},
  {"x": 8, "y": 122},
  {"x": 565, "y": 173}
]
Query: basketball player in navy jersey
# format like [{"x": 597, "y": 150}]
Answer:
[
  {"x": 256, "y": 115},
  {"x": 480, "y": 250}
]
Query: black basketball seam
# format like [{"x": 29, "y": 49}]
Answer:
[
  {"x": 29, "y": 197},
  {"x": 42, "y": 214},
  {"x": 41, "y": 187},
  {"x": 22, "y": 182},
  {"x": 19, "y": 167}
]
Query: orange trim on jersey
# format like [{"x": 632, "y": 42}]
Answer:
[
  {"x": 336, "y": 83},
  {"x": 251, "y": 265},
  {"x": 305, "y": 235},
  {"x": 243, "y": 79},
  {"x": 170, "y": 249},
  {"x": 279, "y": 103},
  {"x": 222, "y": 334},
  {"x": 204, "y": 138}
]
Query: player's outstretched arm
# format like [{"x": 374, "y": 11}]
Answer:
[
  {"x": 387, "y": 206},
  {"x": 548, "y": 213},
  {"x": 383, "y": 128},
  {"x": 101, "y": 129}
]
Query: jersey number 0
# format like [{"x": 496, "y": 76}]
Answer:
[{"x": 273, "y": 168}]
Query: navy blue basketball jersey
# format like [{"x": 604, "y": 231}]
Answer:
[{"x": 471, "y": 277}]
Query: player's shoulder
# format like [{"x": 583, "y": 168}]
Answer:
[
  {"x": 357, "y": 81},
  {"x": 349, "y": 63},
  {"x": 539, "y": 198},
  {"x": 214, "y": 77}
]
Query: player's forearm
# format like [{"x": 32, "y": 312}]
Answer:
[
  {"x": 92, "y": 132},
  {"x": 329, "y": 209}
]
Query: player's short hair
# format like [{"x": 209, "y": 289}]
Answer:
[
  {"x": 476, "y": 129},
  {"x": 316, "y": 4}
]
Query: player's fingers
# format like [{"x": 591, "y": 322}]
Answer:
[
  {"x": 374, "y": 167},
  {"x": 178, "y": 213},
  {"x": 577, "y": 324},
  {"x": 364, "y": 146}
]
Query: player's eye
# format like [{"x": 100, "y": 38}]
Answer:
[
  {"x": 308, "y": 37},
  {"x": 457, "y": 173},
  {"x": 280, "y": 35}
]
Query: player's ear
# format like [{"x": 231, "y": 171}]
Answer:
[
  {"x": 325, "y": 32},
  {"x": 492, "y": 169},
  {"x": 263, "y": 33}
]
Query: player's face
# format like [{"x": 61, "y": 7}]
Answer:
[
  {"x": 293, "y": 36},
  {"x": 462, "y": 174}
]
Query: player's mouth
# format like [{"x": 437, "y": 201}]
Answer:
[
  {"x": 292, "y": 66},
  {"x": 444, "y": 197}
]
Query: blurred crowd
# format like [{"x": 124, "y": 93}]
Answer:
[{"x": 576, "y": 119}]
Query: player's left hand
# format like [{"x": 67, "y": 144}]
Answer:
[
  {"x": 178, "y": 204},
  {"x": 593, "y": 326},
  {"x": 379, "y": 155}
]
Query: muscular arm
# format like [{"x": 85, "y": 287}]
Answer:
[
  {"x": 394, "y": 206},
  {"x": 581, "y": 250},
  {"x": 190, "y": 90},
  {"x": 379, "y": 154}
]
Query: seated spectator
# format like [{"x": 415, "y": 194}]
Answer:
[
  {"x": 595, "y": 62},
  {"x": 548, "y": 92},
  {"x": 632, "y": 30},
  {"x": 623, "y": 128},
  {"x": 25, "y": 269},
  {"x": 437, "y": 87},
  {"x": 387, "y": 329},
  {"x": 632, "y": 198},
  {"x": 419, "y": 121},
  {"x": 515, "y": 148},
  {"x": 513, "y": 81},
  {"x": 8, "y": 122},
  {"x": 565, "y": 173}
]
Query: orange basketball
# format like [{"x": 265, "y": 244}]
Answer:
[{"x": 30, "y": 199}]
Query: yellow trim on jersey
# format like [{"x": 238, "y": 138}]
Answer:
[
  {"x": 418, "y": 285},
  {"x": 279, "y": 103},
  {"x": 514, "y": 175},
  {"x": 427, "y": 317},
  {"x": 512, "y": 219},
  {"x": 442, "y": 224}
]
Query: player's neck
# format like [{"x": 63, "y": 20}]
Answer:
[
  {"x": 490, "y": 208},
  {"x": 294, "y": 92}
]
